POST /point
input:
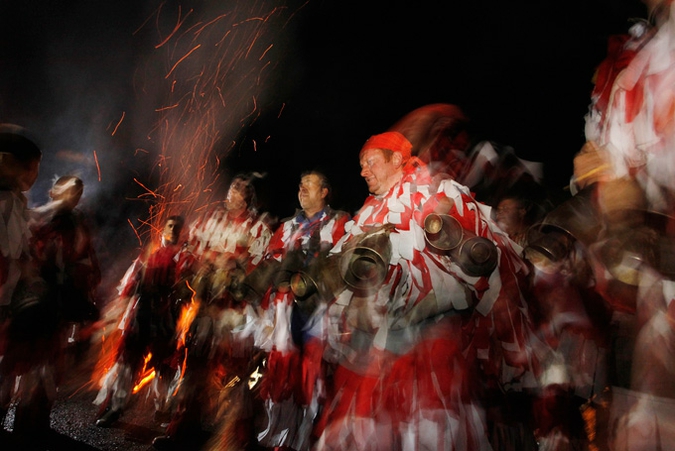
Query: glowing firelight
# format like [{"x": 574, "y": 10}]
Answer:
[
  {"x": 208, "y": 80},
  {"x": 98, "y": 168},
  {"x": 140, "y": 242},
  {"x": 187, "y": 315},
  {"x": 204, "y": 83},
  {"x": 181, "y": 60},
  {"x": 118, "y": 123},
  {"x": 147, "y": 374}
]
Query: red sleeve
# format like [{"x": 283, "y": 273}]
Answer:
[
  {"x": 339, "y": 228},
  {"x": 276, "y": 246}
]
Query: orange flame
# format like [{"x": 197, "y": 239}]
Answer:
[
  {"x": 147, "y": 374},
  {"x": 107, "y": 353},
  {"x": 187, "y": 315}
]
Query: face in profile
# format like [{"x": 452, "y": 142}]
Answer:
[{"x": 380, "y": 175}]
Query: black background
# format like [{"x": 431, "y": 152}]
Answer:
[{"x": 343, "y": 71}]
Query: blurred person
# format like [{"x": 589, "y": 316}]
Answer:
[
  {"x": 217, "y": 234},
  {"x": 636, "y": 275},
  {"x": 19, "y": 168},
  {"x": 63, "y": 246},
  {"x": 629, "y": 127},
  {"x": 642, "y": 416},
  {"x": 603, "y": 265},
  {"x": 150, "y": 289},
  {"x": 423, "y": 340},
  {"x": 26, "y": 316},
  {"x": 226, "y": 243},
  {"x": 515, "y": 214},
  {"x": 572, "y": 317},
  {"x": 442, "y": 138},
  {"x": 629, "y": 159},
  {"x": 292, "y": 385}
]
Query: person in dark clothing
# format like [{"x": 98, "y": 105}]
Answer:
[
  {"x": 26, "y": 325},
  {"x": 63, "y": 247},
  {"x": 148, "y": 325}
]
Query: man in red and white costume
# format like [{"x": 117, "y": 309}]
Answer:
[
  {"x": 630, "y": 127},
  {"x": 26, "y": 320},
  {"x": 292, "y": 384},
  {"x": 630, "y": 133},
  {"x": 148, "y": 326},
  {"x": 227, "y": 243},
  {"x": 235, "y": 232},
  {"x": 411, "y": 352}
]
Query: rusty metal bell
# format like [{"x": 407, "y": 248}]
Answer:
[
  {"x": 321, "y": 280},
  {"x": 477, "y": 256},
  {"x": 292, "y": 262},
  {"x": 257, "y": 282},
  {"x": 364, "y": 264},
  {"x": 554, "y": 244},
  {"x": 321, "y": 276},
  {"x": 576, "y": 216},
  {"x": 442, "y": 232}
]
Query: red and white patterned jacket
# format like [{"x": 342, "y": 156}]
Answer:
[{"x": 421, "y": 284}]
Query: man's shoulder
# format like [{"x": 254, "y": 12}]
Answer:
[
  {"x": 297, "y": 216},
  {"x": 337, "y": 214}
]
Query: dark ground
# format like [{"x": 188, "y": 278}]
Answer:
[
  {"x": 73, "y": 428},
  {"x": 73, "y": 421},
  {"x": 74, "y": 414}
]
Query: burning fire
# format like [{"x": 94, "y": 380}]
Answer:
[
  {"x": 205, "y": 82},
  {"x": 147, "y": 374},
  {"x": 187, "y": 315}
]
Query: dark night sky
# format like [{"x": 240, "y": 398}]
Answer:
[{"x": 341, "y": 71}]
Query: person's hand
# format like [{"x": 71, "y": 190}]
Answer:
[{"x": 591, "y": 165}]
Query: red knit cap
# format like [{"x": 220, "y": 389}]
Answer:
[{"x": 393, "y": 141}]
